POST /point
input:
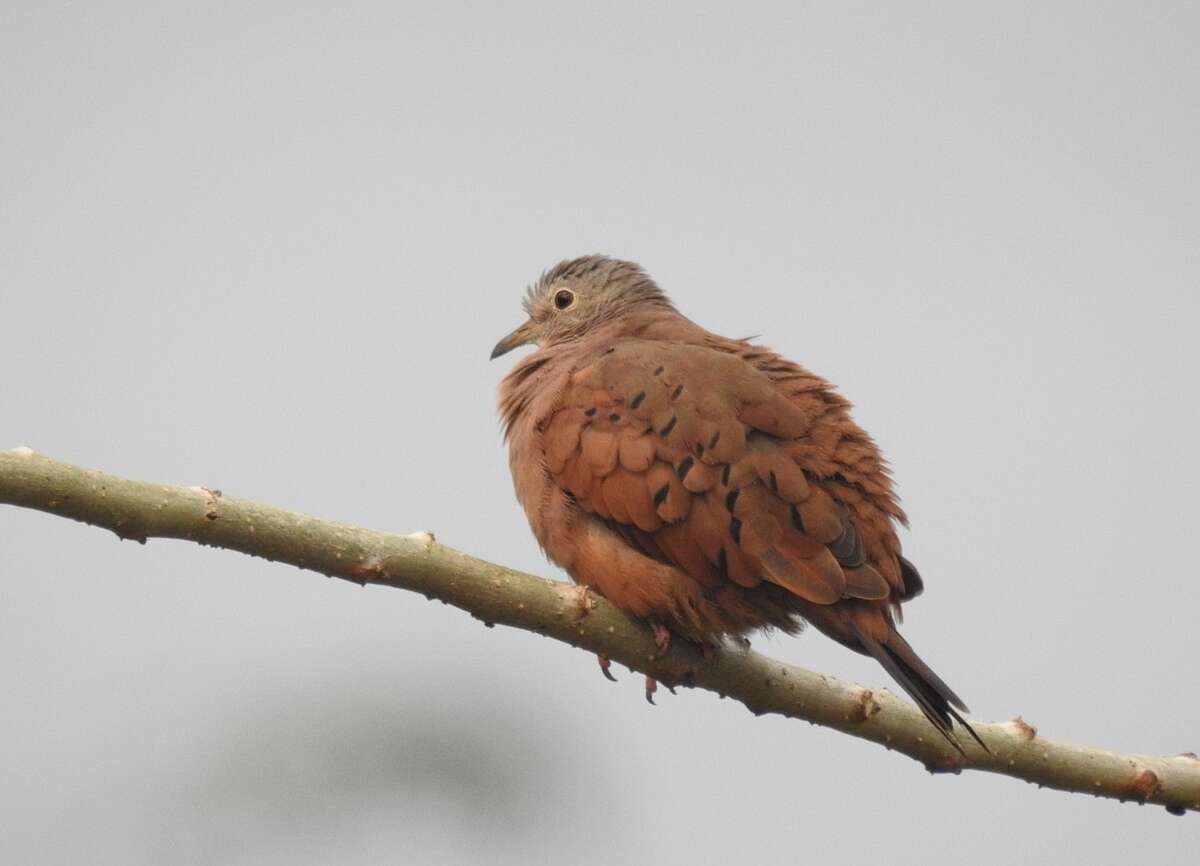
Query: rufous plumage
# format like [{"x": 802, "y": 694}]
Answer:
[{"x": 703, "y": 483}]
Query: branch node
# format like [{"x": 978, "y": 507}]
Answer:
[
  {"x": 1023, "y": 729},
  {"x": 945, "y": 762},
  {"x": 367, "y": 570},
  {"x": 1144, "y": 785},
  {"x": 212, "y": 496},
  {"x": 121, "y": 529},
  {"x": 866, "y": 706},
  {"x": 578, "y": 600}
]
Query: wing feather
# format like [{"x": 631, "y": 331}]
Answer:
[{"x": 706, "y": 462}]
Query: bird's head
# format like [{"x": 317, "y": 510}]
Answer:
[{"x": 578, "y": 296}]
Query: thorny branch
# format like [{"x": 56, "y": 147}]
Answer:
[{"x": 138, "y": 510}]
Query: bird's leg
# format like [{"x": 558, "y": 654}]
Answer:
[
  {"x": 652, "y": 687},
  {"x": 662, "y": 638},
  {"x": 578, "y": 598},
  {"x": 662, "y": 642},
  {"x": 605, "y": 664}
]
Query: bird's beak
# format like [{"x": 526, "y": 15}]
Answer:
[{"x": 527, "y": 333}]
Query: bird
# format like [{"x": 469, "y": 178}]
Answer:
[{"x": 704, "y": 484}]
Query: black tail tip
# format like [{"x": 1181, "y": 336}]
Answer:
[{"x": 936, "y": 700}]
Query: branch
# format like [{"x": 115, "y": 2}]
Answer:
[{"x": 138, "y": 510}]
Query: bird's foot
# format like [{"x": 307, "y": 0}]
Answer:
[
  {"x": 652, "y": 687},
  {"x": 662, "y": 639},
  {"x": 605, "y": 664}
]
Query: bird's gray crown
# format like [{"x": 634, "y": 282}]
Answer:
[{"x": 598, "y": 276}]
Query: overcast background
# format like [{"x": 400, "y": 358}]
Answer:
[{"x": 269, "y": 251}]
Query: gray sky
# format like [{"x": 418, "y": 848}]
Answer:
[{"x": 269, "y": 251}]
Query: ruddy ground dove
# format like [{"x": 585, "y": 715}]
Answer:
[{"x": 703, "y": 483}]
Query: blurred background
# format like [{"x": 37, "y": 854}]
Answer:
[{"x": 268, "y": 250}]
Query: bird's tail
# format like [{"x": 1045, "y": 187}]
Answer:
[
  {"x": 868, "y": 628},
  {"x": 937, "y": 700}
]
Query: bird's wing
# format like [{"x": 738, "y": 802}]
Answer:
[{"x": 698, "y": 458}]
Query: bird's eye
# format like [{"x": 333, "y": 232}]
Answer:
[{"x": 563, "y": 298}]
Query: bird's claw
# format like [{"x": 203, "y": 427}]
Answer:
[{"x": 652, "y": 687}]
